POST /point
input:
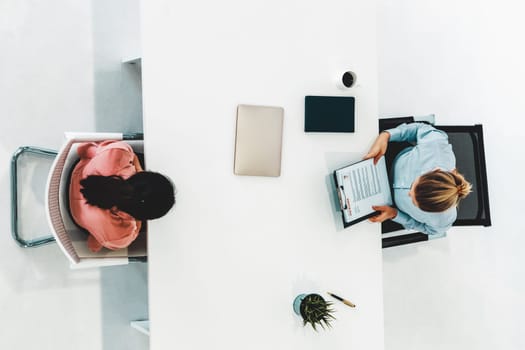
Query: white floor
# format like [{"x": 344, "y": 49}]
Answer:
[
  {"x": 463, "y": 61},
  {"x": 61, "y": 71}
]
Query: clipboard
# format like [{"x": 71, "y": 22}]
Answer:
[{"x": 359, "y": 186}]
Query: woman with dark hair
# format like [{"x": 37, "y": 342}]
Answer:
[
  {"x": 426, "y": 185},
  {"x": 110, "y": 194}
]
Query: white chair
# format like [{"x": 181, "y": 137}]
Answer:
[{"x": 72, "y": 239}]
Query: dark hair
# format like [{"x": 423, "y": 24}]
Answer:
[
  {"x": 145, "y": 195},
  {"x": 439, "y": 190}
]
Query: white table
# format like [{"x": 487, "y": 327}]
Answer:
[{"x": 227, "y": 262}]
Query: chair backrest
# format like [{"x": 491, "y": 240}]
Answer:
[
  {"x": 71, "y": 238},
  {"x": 468, "y": 146}
]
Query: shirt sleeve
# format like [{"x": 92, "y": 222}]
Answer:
[
  {"x": 115, "y": 161},
  {"x": 412, "y": 224},
  {"x": 125, "y": 241},
  {"x": 417, "y": 132},
  {"x": 87, "y": 150},
  {"x": 122, "y": 236},
  {"x": 107, "y": 229},
  {"x": 93, "y": 244}
]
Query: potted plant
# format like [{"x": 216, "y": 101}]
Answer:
[{"x": 314, "y": 310}]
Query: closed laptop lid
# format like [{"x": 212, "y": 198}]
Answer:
[
  {"x": 329, "y": 114},
  {"x": 258, "y": 140}
]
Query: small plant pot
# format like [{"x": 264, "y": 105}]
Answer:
[
  {"x": 297, "y": 303},
  {"x": 314, "y": 310}
]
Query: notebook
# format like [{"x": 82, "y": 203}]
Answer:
[
  {"x": 359, "y": 186},
  {"x": 258, "y": 140},
  {"x": 329, "y": 114}
]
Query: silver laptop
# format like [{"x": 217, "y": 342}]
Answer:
[{"x": 258, "y": 140}]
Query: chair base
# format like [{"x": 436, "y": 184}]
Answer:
[{"x": 42, "y": 152}]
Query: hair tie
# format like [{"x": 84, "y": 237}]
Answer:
[{"x": 459, "y": 187}]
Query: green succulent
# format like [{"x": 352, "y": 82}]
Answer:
[{"x": 316, "y": 311}]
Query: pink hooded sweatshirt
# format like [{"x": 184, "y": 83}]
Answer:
[{"x": 110, "y": 228}]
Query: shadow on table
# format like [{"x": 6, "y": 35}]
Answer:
[{"x": 334, "y": 161}]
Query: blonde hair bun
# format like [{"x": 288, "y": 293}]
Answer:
[
  {"x": 439, "y": 190},
  {"x": 463, "y": 186}
]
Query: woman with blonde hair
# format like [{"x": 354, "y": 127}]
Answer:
[{"x": 425, "y": 183}]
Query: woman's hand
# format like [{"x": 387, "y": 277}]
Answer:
[
  {"x": 379, "y": 147},
  {"x": 386, "y": 212},
  {"x": 137, "y": 165}
]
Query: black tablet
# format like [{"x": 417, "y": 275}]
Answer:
[{"x": 329, "y": 113}]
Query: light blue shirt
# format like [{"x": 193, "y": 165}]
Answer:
[{"x": 431, "y": 151}]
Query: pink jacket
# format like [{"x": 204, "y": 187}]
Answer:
[{"x": 110, "y": 228}]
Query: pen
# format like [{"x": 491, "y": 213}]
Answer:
[{"x": 346, "y": 302}]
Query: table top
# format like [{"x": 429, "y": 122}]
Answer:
[{"x": 227, "y": 262}]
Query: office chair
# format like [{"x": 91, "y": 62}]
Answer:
[
  {"x": 71, "y": 239},
  {"x": 467, "y": 143}
]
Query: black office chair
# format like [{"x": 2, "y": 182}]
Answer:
[{"x": 467, "y": 143}]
